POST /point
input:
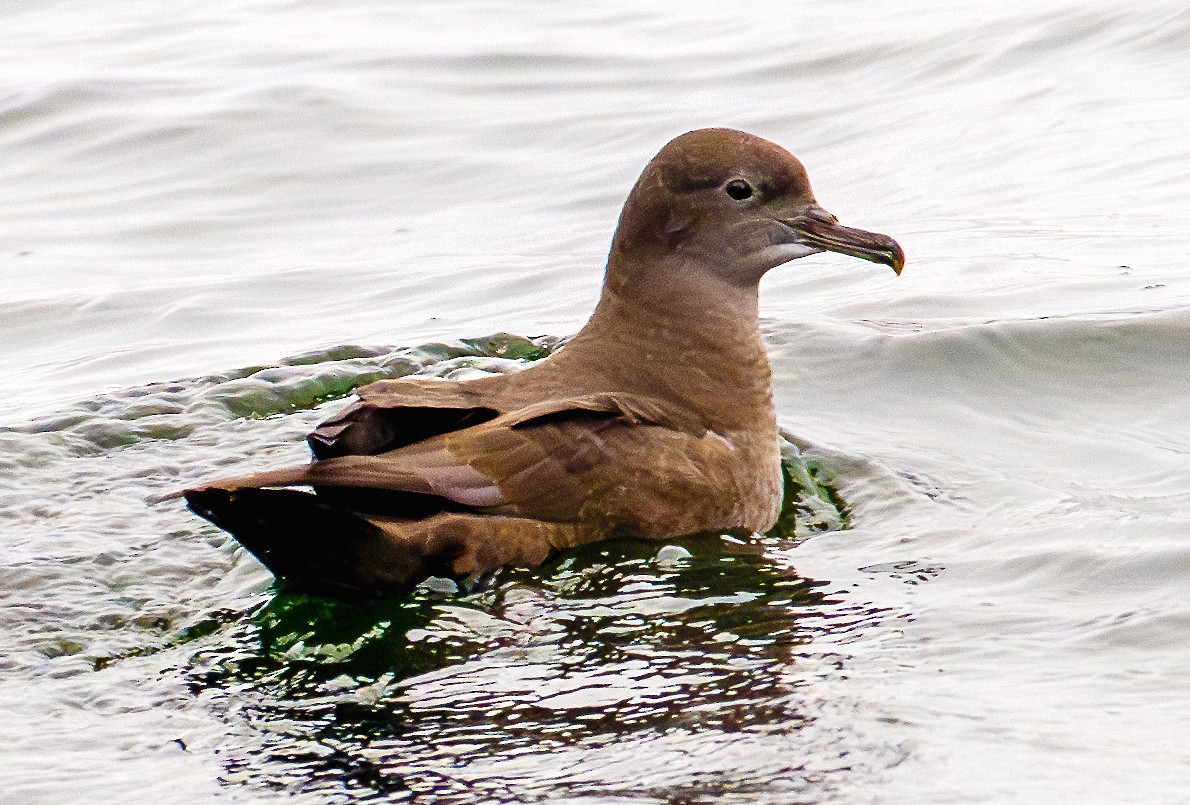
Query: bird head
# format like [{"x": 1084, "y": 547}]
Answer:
[{"x": 737, "y": 205}]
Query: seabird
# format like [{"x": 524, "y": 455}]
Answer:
[{"x": 656, "y": 421}]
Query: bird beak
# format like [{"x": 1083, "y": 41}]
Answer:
[{"x": 816, "y": 227}]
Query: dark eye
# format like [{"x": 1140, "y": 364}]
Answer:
[{"x": 738, "y": 189}]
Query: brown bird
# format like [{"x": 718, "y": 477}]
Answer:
[{"x": 656, "y": 421}]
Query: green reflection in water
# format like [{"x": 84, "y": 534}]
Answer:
[{"x": 611, "y": 640}]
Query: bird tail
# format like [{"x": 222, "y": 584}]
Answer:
[
  {"x": 312, "y": 546},
  {"x": 326, "y": 549}
]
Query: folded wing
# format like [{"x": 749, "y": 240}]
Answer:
[{"x": 602, "y": 458}]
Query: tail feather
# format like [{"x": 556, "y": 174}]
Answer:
[
  {"x": 310, "y": 545},
  {"x": 319, "y": 547}
]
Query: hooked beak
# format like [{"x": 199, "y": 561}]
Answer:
[{"x": 816, "y": 227}]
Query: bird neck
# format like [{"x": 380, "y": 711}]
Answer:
[{"x": 675, "y": 329}]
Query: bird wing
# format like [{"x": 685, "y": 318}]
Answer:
[
  {"x": 609, "y": 458},
  {"x": 619, "y": 460}
]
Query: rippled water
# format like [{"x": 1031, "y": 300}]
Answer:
[{"x": 215, "y": 219}]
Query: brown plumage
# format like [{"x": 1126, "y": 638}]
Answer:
[{"x": 655, "y": 421}]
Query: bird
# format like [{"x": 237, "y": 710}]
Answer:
[{"x": 654, "y": 422}]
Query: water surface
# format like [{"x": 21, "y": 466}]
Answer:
[{"x": 216, "y": 218}]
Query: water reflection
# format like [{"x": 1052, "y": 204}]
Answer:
[{"x": 604, "y": 649}]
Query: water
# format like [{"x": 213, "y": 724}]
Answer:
[{"x": 193, "y": 192}]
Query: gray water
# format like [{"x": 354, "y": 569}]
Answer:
[{"x": 216, "y": 218}]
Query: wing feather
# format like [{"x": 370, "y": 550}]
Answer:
[{"x": 623, "y": 461}]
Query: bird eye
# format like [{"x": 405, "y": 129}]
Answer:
[{"x": 738, "y": 189}]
